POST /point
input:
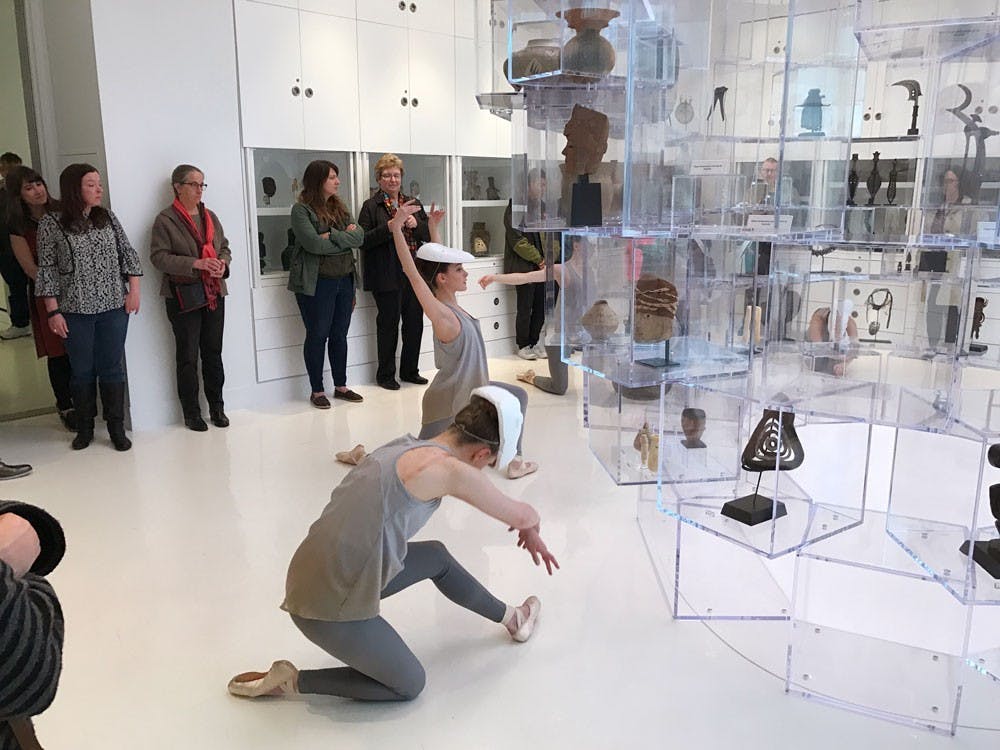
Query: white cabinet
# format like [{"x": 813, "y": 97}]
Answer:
[
  {"x": 298, "y": 78},
  {"x": 477, "y": 131},
  {"x": 426, "y": 15},
  {"x": 407, "y": 90},
  {"x": 342, "y": 8}
]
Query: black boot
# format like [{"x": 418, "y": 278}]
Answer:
[
  {"x": 85, "y": 402},
  {"x": 218, "y": 415},
  {"x": 113, "y": 402}
]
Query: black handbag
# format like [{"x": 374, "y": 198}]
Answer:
[{"x": 190, "y": 295}]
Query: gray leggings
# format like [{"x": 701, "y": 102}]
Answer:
[
  {"x": 436, "y": 428},
  {"x": 558, "y": 380},
  {"x": 382, "y": 667}
]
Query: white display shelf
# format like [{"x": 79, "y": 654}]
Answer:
[
  {"x": 274, "y": 210},
  {"x": 502, "y": 203}
]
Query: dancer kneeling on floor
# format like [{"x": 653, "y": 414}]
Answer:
[{"x": 358, "y": 552}]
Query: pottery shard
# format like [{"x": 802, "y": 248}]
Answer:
[{"x": 655, "y": 309}]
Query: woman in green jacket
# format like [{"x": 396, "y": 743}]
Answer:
[{"x": 322, "y": 276}]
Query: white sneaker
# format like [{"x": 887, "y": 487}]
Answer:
[
  {"x": 16, "y": 332},
  {"x": 540, "y": 350},
  {"x": 527, "y": 352}
]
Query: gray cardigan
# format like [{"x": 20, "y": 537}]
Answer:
[
  {"x": 303, "y": 269},
  {"x": 174, "y": 250}
]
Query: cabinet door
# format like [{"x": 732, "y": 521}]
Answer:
[
  {"x": 475, "y": 129},
  {"x": 282, "y": 3},
  {"x": 465, "y": 18},
  {"x": 392, "y": 12},
  {"x": 432, "y": 93},
  {"x": 342, "y": 8},
  {"x": 270, "y": 81},
  {"x": 383, "y": 82},
  {"x": 330, "y": 82},
  {"x": 433, "y": 15}
]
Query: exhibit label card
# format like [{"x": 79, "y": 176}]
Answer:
[
  {"x": 709, "y": 166},
  {"x": 987, "y": 232},
  {"x": 764, "y": 223}
]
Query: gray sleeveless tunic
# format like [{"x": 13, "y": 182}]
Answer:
[
  {"x": 461, "y": 367},
  {"x": 358, "y": 543}
]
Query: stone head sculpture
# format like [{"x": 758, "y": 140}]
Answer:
[{"x": 586, "y": 134}]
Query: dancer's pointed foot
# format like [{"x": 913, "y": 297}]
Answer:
[
  {"x": 352, "y": 457},
  {"x": 520, "y": 621},
  {"x": 281, "y": 679}
]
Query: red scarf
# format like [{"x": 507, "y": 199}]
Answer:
[
  {"x": 407, "y": 231},
  {"x": 212, "y": 285}
]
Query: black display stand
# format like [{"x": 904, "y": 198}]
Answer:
[
  {"x": 985, "y": 554},
  {"x": 663, "y": 361},
  {"x": 754, "y": 508},
  {"x": 585, "y": 203}
]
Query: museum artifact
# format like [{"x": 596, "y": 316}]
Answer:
[
  {"x": 588, "y": 52},
  {"x": 752, "y": 319},
  {"x": 812, "y": 114},
  {"x": 492, "y": 193},
  {"x": 655, "y": 309},
  {"x": 538, "y": 57},
  {"x": 852, "y": 181},
  {"x": 909, "y": 261},
  {"x": 874, "y": 181},
  {"x": 475, "y": 190},
  {"x": 586, "y": 132},
  {"x": 986, "y": 554},
  {"x": 978, "y": 316},
  {"x": 414, "y": 189},
  {"x": 261, "y": 251},
  {"x": 693, "y": 427},
  {"x": 600, "y": 321},
  {"x": 773, "y": 446},
  {"x": 879, "y": 299},
  {"x": 479, "y": 238},
  {"x": 913, "y": 89},
  {"x": 718, "y": 98},
  {"x": 972, "y": 181},
  {"x": 270, "y": 188},
  {"x": 684, "y": 112},
  {"x": 890, "y": 191},
  {"x": 295, "y": 189}
]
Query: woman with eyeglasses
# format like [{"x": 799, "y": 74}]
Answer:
[
  {"x": 28, "y": 201},
  {"x": 192, "y": 251},
  {"x": 321, "y": 273},
  {"x": 88, "y": 279},
  {"x": 383, "y": 275}
]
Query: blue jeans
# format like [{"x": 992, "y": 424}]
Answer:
[
  {"x": 327, "y": 316},
  {"x": 96, "y": 346}
]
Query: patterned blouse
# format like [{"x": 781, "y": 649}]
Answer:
[{"x": 87, "y": 271}]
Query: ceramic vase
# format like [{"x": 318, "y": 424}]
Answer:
[
  {"x": 539, "y": 56},
  {"x": 479, "y": 238},
  {"x": 588, "y": 52},
  {"x": 600, "y": 321}
]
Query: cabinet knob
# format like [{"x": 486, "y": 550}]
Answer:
[
  {"x": 296, "y": 90},
  {"x": 496, "y": 326},
  {"x": 878, "y": 115},
  {"x": 413, "y": 7},
  {"x": 854, "y": 314},
  {"x": 496, "y": 300},
  {"x": 404, "y": 101},
  {"x": 308, "y": 93},
  {"x": 857, "y": 292},
  {"x": 867, "y": 116},
  {"x": 857, "y": 269},
  {"x": 413, "y": 102},
  {"x": 402, "y": 5}
]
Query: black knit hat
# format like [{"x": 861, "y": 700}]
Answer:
[{"x": 50, "y": 534}]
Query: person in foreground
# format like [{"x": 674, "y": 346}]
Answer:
[{"x": 358, "y": 552}]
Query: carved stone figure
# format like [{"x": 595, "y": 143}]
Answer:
[
  {"x": 693, "y": 426},
  {"x": 586, "y": 132}
]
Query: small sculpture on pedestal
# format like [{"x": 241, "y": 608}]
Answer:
[
  {"x": 655, "y": 309},
  {"x": 812, "y": 114},
  {"x": 475, "y": 189},
  {"x": 693, "y": 427},
  {"x": 270, "y": 188},
  {"x": 586, "y": 132},
  {"x": 648, "y": 445},
  {"x": 773, "y": 446},
  {"x": 978, "y": 316},
  {"x": 479, "y": 239},
  {"x": 874, "y": 181},
  {"x": 987, "y": 554},
  {"x": 492, "y": 193},
  {"x": 852, "y": 181},
  {"x": 913, "y": 87}
]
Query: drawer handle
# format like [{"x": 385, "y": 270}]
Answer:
[
  {"x": 496, "y": 300},
  {"x": 496, "y": 326}
]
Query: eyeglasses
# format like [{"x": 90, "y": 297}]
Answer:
[
  {"x": 391, "y": 177},
  {"x": 200, "y": 185}
]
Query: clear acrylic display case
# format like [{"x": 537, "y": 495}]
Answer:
[
  {"x": 750, "y": 137},
  {"x": 568, "y": 157},
  {"x": 559, "y": 42},
  {"x": 817, "y": 490},
  {"x": 641, "y": 433},
  {"x": 646, "y": 310},
  {"x": 277, "y": 182},
  {"x": 484, "y": 195}
]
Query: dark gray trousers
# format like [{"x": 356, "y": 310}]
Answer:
[{"x": 381, "y": 666}]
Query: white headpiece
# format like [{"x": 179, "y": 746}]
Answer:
[
  {"x": 509, "y": 413},
  {"x": 437, "y": 253}
]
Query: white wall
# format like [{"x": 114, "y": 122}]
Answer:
[
  {"x": 13, "y": 123},
  {"x": 168, "y": 94}
]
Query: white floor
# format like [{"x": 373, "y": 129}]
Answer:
[{"x": 176, "y": 564}]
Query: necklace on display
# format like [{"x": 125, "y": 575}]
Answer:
[{"x": 874, "y": 306}]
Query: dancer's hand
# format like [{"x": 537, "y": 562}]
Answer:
[
  {"x": 486, "y": 280},
  {"x": 434, "y": 216},
  {"x": 403, "y": 212},
  {"x": 530, "y": 540}
]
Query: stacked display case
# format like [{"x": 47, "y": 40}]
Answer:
[{"x": 797, "y": 257}]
